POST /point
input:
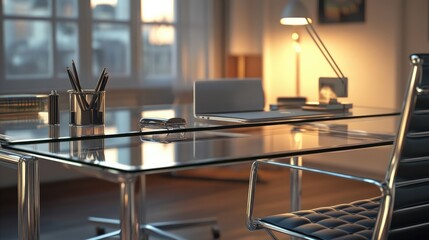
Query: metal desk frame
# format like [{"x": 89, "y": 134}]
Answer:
[{"x": 28, "y": 192}]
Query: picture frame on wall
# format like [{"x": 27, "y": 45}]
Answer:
[{"x": 341, "y": 11}]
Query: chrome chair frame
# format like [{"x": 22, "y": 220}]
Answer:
[{"x": 388, "y": 186}]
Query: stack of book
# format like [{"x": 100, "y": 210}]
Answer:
[{"x": 23, "y": 104}]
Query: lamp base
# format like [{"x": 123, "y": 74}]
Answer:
[
  {"x": 317, "y": 106},
  {"x": 288, "y": 103}
]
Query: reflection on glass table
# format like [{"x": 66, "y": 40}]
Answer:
[
  {"x": 124, "y": 121},
  {"x": 186, "y": 149},
  {"x": 128, "y": 159}
]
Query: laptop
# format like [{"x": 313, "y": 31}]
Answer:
[{"x": 239, "y": 100}]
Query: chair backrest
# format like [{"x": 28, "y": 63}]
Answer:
[{"x": 404, "y": 209}]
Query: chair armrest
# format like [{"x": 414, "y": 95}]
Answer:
[
  {"x": 326, "y": 172},
  {"x": 250, "y": 220}
]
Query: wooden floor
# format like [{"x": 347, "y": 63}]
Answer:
[{"x": 65, "y": 206}]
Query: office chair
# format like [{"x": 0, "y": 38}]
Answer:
[{"x": 402, "y": 209}]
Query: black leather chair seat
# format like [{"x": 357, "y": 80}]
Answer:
[{"x": 351, "y": 221}]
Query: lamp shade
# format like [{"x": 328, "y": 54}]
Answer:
[{"x": 294, "y": 13}]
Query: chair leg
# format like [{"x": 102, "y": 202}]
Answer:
[
  {"x": 107, "y": 222},
  {"x": 158, "y": 228},
  {"x": 154, "y": 231},
  {"x": 106, "y": 235},
  {"x": 190, "y": 223},
  {"x": 185, "y": 223}
]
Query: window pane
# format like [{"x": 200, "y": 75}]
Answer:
[
  {"x": 67, "y": 45},
  {"x": 157, "y": 11},
  {"x": 110, "y": 9},
  {"x": 111, "y": 43},
  {"x": 40, "y": 8},
  {"x": 67, "y": 8},
  {"x": 157, "y": 52},
  {"x": 28, "y": 48}
]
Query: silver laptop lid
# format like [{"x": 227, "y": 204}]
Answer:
[{"x": 229, "y": 95}]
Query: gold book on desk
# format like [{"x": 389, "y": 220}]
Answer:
[{"x": 23, "y": 104}]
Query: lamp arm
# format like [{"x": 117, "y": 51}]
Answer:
[{"x": 319, "y": 43}]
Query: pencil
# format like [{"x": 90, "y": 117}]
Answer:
[
  {"x": 98, "y": 87},
  {"x": 100, "y": 79},
  {"x": 78, "y": 86},
  {"x": 73, "y": 84},
  {"x": 76, "y": 75},
  {"x": 101, "y": 88},
  {"x": 105, "y": 79}
]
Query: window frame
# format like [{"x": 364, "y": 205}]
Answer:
[{"x": 85, "y": 52}]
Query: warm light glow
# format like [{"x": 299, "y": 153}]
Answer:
[
  {"x": 94, "y": 3},
  {"x": 112, "y": 155},
  {"x": 110, "y": 130},
  {"x": 326, "y": 94},
  {"x": 44, "y": 116},
  {"x": 297, "y": 139},
  {"x": 154, "y": 153},
  {"x": 157, "y": 11},
  {"x": 164, "y": 113},
  {"x": 295, "y": 36},
  {"x": 161, "y": 35},
  {"x": 296, "y": 45},
  {"x": 295, "y": 21}
]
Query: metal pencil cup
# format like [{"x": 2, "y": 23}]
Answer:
[
  {"x": 87, "y": 107},
  {"x": 88, "y": 149}
]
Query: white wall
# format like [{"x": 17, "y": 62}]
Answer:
[
  {"x": 244, "y": 30},
  {"x": 373, "y": 54}
]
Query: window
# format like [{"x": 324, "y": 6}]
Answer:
[
  {"x": 134, "y": 40},
  {"x": 158, "y": 39},
  {"x": 38, "y": 38},
  {"x": 111, "y": 37}
]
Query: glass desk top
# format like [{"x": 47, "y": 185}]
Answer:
[
  {"x": 179, "y": 150},
  {"x": 124, "y": 121}
]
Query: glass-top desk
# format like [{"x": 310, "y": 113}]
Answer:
[
  {"x": 124, "y": 121},
  {"x": 127, "y": 159}
]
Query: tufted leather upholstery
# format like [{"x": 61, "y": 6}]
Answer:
[{"x": 355, "y": 220}]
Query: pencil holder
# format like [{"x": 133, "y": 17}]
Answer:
[
  {"x": 87, "y": 149},
  {"x": 86, "y": 107}
]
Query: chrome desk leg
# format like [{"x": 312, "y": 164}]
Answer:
[
  {"x": 296, "y": 185},
  {"x": 140, "y": 197},
  {"x": 133, "y": 216},
  {"x": 28, "y": 199},
  {"x": 132, "y": 213}
]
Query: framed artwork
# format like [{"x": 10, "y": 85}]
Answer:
[{"x": 341, "y": 11}]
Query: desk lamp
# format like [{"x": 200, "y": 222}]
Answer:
[{"x": 295, "y": 13}]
